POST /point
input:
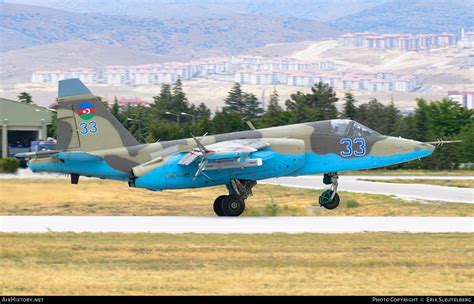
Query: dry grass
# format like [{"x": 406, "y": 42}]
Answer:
[
  {"x": 302, "y": 264},
  {"x": 100, "y": 197},
  {"x": 437, "y": 182}
]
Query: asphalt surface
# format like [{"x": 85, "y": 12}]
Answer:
[
  {"x": 188, "y": 224},
  {"x": 405, "y": 191}
]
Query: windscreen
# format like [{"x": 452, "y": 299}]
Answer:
[
  {"x": 346, "y": 127},
  {"x": 340, "y": 126},
  {"x": 360, "y": 130}
]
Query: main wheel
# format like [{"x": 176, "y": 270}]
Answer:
[
  {"x": 233, "y": 205},
  {"x": 218, "y": 205},
  {"x": 326, "y": 201}
]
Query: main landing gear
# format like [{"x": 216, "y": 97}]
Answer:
[
  {"x": 234, "y": 203},
  {"x": 329, "y": 199}
]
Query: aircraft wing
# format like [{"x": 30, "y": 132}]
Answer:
[{"x": 226, "y": 154}]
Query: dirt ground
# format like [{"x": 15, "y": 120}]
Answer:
[
  {"x": 102, "y": 197},
  {"x": 211, "y": 264}
]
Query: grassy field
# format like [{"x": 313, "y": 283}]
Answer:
[
  {"x": 438, "y": 182},
  {"x": 410, "y": 172},
  {"x": 302, "y": 264},
  {"x": 100, "y": 197}
]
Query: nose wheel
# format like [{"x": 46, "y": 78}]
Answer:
[{"x": 329, "y": 199}]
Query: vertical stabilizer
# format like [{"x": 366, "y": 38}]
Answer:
[{"x": 85, "y": 123}]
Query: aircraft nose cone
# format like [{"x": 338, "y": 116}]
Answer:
[
  {"x": 423, "y": 146},
  {"x": 400, "y": 146}
]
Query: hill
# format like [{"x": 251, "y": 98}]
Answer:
[
  {"x": 411, "y": 16},
  {"x": 18, "y": 65},
  {"x": 28, "y": 25},
  {"x": 320, "y": 10}
]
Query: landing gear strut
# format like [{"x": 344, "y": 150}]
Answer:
[
  {"x": 234, "y": 203},
  {"x": 329, "y": 199}
]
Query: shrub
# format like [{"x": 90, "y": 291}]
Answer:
[
  {"x": 272, "y": 209},
  {"x": 352, "y": 204},
  {"x": 9, "y": 165}
]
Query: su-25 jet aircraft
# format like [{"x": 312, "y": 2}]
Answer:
[{"x": 93, "y": 143}]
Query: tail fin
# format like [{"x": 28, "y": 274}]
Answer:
[{"x": 84, "y": 123}]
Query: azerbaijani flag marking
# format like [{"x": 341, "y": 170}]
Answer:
[{"x": 86, "y": 110}]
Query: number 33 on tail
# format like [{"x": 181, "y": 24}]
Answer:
[{"x": 88, "y": 127}]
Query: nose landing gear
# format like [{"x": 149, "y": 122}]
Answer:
[
  {"x": 234, "y": 203},
  {"x": 329, "y": 199}
]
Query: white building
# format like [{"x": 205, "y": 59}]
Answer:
[
  {"x": 398, "y": 41},
  {"x": 470, "y": 61},
  {"x": 114, "y": 78},
  {"x": 465, "y": 99}
]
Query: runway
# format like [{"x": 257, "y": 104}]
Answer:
[
  {"x": 187, "y": 224},
  {"x": 405, "y": 191}
]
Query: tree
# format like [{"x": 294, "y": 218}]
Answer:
[
  {"x": 179, "y": 99},
  {"x": 466, "y": 147},
  {"x": 349, "y": 109},
  {"x": 164, "y": 130},
  {"x": 320, "y": 104},
  {"x": 438, "y": 119},
  {"x": 448, "y": 117},
  {"x": 405, "y": 127},
  {"x": 25, "y": 97},
  {"x": 423, "y": 125},
  {"x": 323, "y": 99},
  {"x": 234, "y": 101},
  {"x": 137, "y": 121},
  {"x": 202, "y": 112},
  {"x": 246, "y": 104},
  {"x": 163, "y": 101},
  {"x": 391, "y": 119},
  {"x": 251, "y": 106},
  {"x": 51, "y": 129},
  {"x": 371, "y": 114},
  {"x": 274, "y": 116},
  {"x": 445, "y": 157},
  {"x": 224, "y": 122},
  {"x": 299, "y": 109},
  {"x": 115, "y": 109}
]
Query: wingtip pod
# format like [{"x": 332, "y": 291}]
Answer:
[{"x": 72, "y": 87}]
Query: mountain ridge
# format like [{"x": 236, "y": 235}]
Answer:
[
  {"x": 410, "y": 16},
  {"x": 197, "y": 36}
]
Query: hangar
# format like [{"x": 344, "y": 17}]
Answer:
[{"x": 21, "y": 123}]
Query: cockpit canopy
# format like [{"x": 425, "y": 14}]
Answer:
[{"x": 346, "y": 127}]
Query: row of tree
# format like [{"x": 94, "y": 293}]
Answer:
[{"x": 171, "y": 116}]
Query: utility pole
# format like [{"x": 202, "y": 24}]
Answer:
[
  {"x": 176, "y": 115},
  {"x": 194, "y": 119}
]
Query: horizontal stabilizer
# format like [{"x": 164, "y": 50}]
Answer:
[{"x": 39, "y": 154}]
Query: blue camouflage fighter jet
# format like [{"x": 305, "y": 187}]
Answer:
[{"x": 93, "y": 143}]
